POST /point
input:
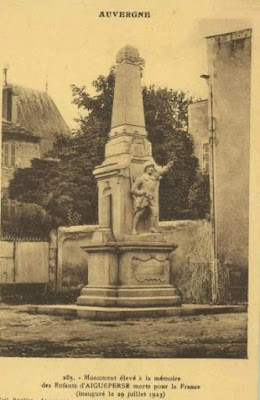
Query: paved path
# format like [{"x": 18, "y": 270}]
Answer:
[{"x": 204, "y": 336}]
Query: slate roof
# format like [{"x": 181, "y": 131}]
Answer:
[{"x": 37, "y": 113}]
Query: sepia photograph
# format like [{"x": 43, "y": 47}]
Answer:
[{"x": 126, "y": 197}]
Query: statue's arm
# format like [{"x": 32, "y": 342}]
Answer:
[{"x": 166, "y": 168}]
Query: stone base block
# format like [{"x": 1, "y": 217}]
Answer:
[
  {"x": 129, "y": 291},
  {"x": 134, "y": 272},
  {"x": 132, "y": 296},
  {"x": 129, "y": 301}
]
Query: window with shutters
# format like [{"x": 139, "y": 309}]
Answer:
[
  {"x": 9, "y": 209},
  {"x": 206, "y": 160},
  {"x": 9, "y": 156},
  {"x": 5, "y": 210}
]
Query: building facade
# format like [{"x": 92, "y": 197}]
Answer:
[
  {"x": 19, "y": 147},
  {"x": 225, "y": 120},
  {"x": 30, "y": 122}
]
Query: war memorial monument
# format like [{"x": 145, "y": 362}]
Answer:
[
  {"x": 128, "y": 256},
  {"x": 129, "y": 273}
]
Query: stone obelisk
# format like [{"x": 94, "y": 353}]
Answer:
[
  {"x": 126, "y": 270},
  {"x": 127, "y": 148},
  {"x": 128, "y": 110}
]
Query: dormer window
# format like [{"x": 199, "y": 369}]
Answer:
[{"x": 9, "y": 154}]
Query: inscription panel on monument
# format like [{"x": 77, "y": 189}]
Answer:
[
  {"x": 120, "y": 147},
  {"x": 150, "y": 269},
  {"x": 141, "y": 147},
  {"x": 98, "y": 270}
]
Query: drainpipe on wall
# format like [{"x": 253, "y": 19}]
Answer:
[
  {"x": 1, "y": 116},
  {"x": 1, "y": 109},
  {"x": 211, "y": 127}
]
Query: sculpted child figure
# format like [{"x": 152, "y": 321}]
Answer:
[{"x": 144, "y": 191}]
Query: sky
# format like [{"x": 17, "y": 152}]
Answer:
[{"x": 64, "y": 42}]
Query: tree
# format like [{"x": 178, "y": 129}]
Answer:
[
  {"x": 66, "y": 188},
  {"x": 167, "y": 125},
  {"x": 199, "y": 197},
  {"x": 62, "y": 182},
  {"x": 32, "y": 221}
]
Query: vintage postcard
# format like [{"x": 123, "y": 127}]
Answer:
[{"x": 129, "y": 229}]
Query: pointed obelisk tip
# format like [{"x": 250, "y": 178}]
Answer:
[
  {"x": 128, "y": 54},
  {"x": 128, "y": 109}
]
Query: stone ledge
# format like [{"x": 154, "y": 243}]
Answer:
[
  {"x": 78, "y": 228},
  {"x": 118, "y": 313},
  {"x": 120, "y": 247},
  {"x": 130, "y": 291},
  {"x": 166, "y": 226},
  {"x": 133, "y": 302}
]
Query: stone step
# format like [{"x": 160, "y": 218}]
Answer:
[
  {"x": 129, "y": 292},
  {"x": 154, "y": 301}
]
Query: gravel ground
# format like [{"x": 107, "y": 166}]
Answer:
[{"x": 204, "y": 336}]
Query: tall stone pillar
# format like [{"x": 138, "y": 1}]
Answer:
[
  {"x": 126, "y": 270},
  {"x": 127, "y": 148},
  {"x": 128, "y": 110}
]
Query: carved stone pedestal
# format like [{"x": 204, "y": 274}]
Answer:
[{"x": 130, "y": 273}]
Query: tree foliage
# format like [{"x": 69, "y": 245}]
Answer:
[
  {"x": 62, "y": 183},
  {"x": 31, "y": 221},
  {"x": 167, "y": 125},
  {"x": 199, "y": 197}
]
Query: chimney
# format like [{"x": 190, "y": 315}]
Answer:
[
  {"x": 7, "y": 97},
  {"x": 5, "y": 69}
]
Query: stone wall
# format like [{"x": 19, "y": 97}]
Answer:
[
  {"x": 62, "y": 266},
  {"x": 71, "y": 260},
  {"x": 191, "y": 266}
]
